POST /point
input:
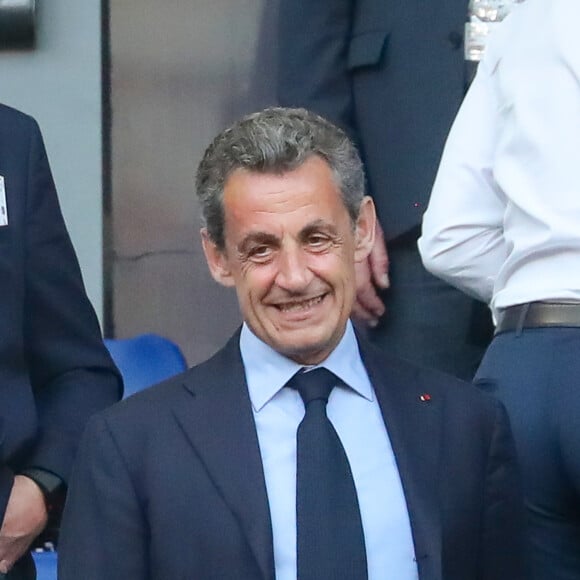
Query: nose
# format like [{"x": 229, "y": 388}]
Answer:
[{"x": 293, "y": 275}]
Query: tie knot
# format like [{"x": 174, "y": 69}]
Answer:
[{"x": 313, "y": 385}]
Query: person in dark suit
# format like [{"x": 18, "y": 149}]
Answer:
[
  {"x": 54, "y": 369},
  {"x": 207, "y": 475},
  {"x": 392, "y": 74}
]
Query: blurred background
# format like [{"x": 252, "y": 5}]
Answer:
[{"x": 128, "y": 94}]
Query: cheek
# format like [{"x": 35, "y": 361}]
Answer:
[
  {"x": 336, "y": 267},
  {"x": 255, "y": 278}
]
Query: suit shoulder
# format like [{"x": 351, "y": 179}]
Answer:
[
  {"x": 154, "y": 400},
  {"x": 417, "y": 381},
  {"x": 16, "y": 118},
  {"x": 466, "y": 411},
  {"x": 151, "y": 399},
  {"x": 456, "y": 389}
]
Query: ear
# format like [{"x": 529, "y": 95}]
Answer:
[
  {"x": 217, "y": 261},
  {"x": 365, "y": 229}
]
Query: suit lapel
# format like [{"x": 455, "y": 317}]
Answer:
[
  {"x": 218, "y": 421},
  {"x": 414, "y": 427}
]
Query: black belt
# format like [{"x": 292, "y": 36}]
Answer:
[{"x": 538, "y": 314}]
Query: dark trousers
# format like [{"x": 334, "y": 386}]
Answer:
[
  {"x": 427, "y": 321},
  {"x": 536, "y": 373}
]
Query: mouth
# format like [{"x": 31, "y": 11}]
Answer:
[{"x": 300, "y": 305}]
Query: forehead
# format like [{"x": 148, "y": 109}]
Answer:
[{"x": 304, "y": 194}]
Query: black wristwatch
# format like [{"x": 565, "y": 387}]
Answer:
[{"x": 51, "y": 485}]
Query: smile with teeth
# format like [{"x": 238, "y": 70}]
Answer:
[{"x": 302, "y": 305}]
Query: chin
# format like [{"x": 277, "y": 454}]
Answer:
[{"x": 306, "y": 352}]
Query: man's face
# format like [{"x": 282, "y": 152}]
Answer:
[{"x": 290, "y": 250}]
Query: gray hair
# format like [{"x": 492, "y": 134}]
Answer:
[{"x": 276, "y": 140}]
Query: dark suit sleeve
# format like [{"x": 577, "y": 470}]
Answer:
[
  {"x": 502, "y": 554},
  {"x": 103, "y": 533},
  {"x": 313, "y": 71},
  {"x": 71, "y": 372}
]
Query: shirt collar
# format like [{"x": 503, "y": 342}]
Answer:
[{"x": 267, "y": 371}]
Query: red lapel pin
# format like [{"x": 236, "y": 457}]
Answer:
[{"x": 425, "y": 397}]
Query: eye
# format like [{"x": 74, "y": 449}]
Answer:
[
  {"x": 318, "y": 241},
  {"x": 260, "y": 253}
]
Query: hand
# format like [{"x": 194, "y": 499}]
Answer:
[
  {"x": 371, "y": 274},
  {"x": 24, "y": 519}
]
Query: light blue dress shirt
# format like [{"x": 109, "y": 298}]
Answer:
[{"x": 356, "y": 416}]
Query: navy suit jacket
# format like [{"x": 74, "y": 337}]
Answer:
[
  {"x": 54, "y": 369},
  {"x": 390, "y": 72},
  {"x": 169, "y": 483}
]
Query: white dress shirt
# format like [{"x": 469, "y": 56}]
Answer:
[
  {"x": 503, "y": 222},
  {"x": 356, "y": 416}
]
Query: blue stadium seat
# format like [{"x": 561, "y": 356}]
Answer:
[{"x": 145, "y": 360}]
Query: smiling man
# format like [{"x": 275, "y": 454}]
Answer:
[
  {"x": 290, "y": 252},
  {"x": 297, "y": 451}
]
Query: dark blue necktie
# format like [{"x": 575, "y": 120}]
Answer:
[{"x": 330, "y": 539}]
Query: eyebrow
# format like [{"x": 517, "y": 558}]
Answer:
[{"x": 316, "y": 226}]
